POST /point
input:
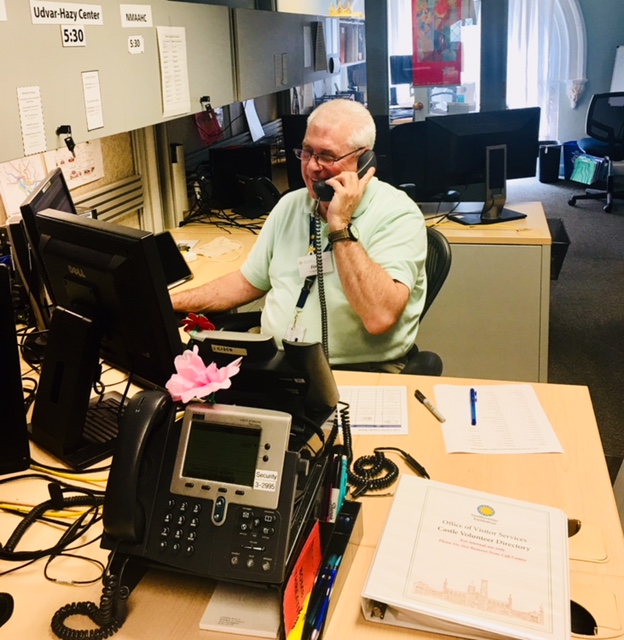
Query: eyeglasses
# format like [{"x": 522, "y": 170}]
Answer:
[{"x": 323, "y": 159}]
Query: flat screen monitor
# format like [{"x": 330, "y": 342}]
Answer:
[
  {"x": 485, "y": 148},
  {"x": 51, "y": 193},
  {"x": 112, "y": 302}
]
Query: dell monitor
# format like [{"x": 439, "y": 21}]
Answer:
[
  {"x": 51, "y": 193},
  {"x": 485, "y": 148},
  {"x": 112, "y": 302}
]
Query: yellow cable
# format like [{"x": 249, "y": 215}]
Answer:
[
  {"x": 24, "y": 508},
  {"x": 68, "y": 475}
]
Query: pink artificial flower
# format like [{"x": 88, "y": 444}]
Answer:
[{"x": 196, "y": 380}]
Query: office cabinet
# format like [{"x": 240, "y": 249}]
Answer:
[
  {"x": 129, "y": 84},
  {"x": 491, "y": 317},
  {"x": 276, "y": 51}
]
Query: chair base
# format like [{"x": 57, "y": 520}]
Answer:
[{"x": 595, "y": 194}]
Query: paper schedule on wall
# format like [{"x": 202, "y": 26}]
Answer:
[
  {"x": 173, "y": 71},
  {"x": 92, "y": 99},
  {"x": 31, "y": 119}
]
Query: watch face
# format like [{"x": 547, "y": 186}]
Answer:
[{"x": 354, "y": 234}]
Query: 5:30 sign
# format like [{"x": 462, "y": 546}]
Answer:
[{"x": 73, "y": 35}]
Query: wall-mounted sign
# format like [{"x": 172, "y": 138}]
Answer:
[{"x": 43, "y": 12}]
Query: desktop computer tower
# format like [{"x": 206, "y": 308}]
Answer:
[{"x": 229, "y": 162}]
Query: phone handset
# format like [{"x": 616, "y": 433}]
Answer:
[
  {"x": 123, "y": 518},
  {"x": 367, "y": 160}
]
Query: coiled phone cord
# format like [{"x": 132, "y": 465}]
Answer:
[
  {"x": 367, "y": 473},
  {"x": 109, "y": 616},
  {"x": 318, "y": 252},
  {"x": 373, "y": 472}
]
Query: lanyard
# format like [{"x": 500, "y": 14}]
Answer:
[{"x": 315, "y": 228}]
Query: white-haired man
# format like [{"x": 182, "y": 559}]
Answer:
[{"x": 368, "y": 301}]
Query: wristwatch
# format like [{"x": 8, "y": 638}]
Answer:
[{"x": 350, "y": 232}]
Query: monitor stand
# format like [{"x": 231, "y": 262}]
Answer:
[
  {"x": 474, "y": 216},
  {"x": 493, "y": 210},
  {"x": 64, "y": 421}
]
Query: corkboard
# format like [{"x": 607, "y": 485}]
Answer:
[{"x": 118, "y": 164}]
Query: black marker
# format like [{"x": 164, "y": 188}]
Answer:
[{"x": 421, "y": 398}]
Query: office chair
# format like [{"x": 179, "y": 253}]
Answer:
[
  {"x": 605, "y": 128},
  {"x": 437, "y": 266}
]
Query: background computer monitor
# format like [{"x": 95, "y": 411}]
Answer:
[
  {"x": 112, "y": 302},
  {"x": 486, "y": 149},
  {"x": 51, "y": 193}
]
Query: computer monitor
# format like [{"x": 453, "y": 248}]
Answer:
[
  {"x": 485, "y": 148},
  {"x": 112, "y": 302},
  {"x": 51, "y": 193}
]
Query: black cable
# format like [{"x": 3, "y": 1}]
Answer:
[
  {"x": 109, "y": 616},
  {"x": 8, "y": 551},
  {"x": 373, "y": 472},
  {"x": 318, "y": 252},
  {"x": 411, "y": 461}
]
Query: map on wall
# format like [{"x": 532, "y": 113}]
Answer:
[{"x": 18, "y": 178}]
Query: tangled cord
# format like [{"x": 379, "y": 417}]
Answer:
[
  {"x": 373, "y": 472},
  {"x": 109, "y": 616}
]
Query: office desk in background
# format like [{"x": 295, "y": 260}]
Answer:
[
  {"x": 169, "y": 605},
  {"x": 491, "y": 317},
  {"x": 490, "y": 320}
]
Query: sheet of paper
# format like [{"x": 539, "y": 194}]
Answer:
[
  {"x": 376, "y": 410},
  {"x": 92, "y": 99},
  {"x": 31, "y": 119},
  {"x": 174, "y": 79},
  {"x": 243, "y": 610},
  {"x": 510, "y": 419},
  {"x": 253, "y": 121}
]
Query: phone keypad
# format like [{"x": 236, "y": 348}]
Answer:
[{"x": 179, "y": 530}]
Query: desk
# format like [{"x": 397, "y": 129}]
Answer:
[
  {"x": 490, "y": 320},
  {"x": 169, "y": 606},
  {"x": 491, "y": 317}
]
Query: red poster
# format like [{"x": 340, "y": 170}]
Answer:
[{"x": 437, "y": 45}]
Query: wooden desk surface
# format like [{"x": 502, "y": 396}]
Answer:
[
  {"x": 532, "y": 230},
  {"x": 204, "y": 268},
  {"x": 170, "y": 605}
]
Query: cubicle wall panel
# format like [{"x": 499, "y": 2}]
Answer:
[
  {"x": 130, "y": 84},
  {"x": 487, "y": 321},
  {"x": 209, "y": 61}
]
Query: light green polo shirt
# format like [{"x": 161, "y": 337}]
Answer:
[{"x": 392, "y": 230}]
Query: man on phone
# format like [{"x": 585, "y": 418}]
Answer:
[{"x": 340, "y": 262}]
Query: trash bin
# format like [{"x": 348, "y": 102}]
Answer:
[
  {"x": 549, "y": 160},
  {"x": 559, "y": 247}
]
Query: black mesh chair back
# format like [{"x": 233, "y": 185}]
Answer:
[
  {"x": 605, "y": 122},
  {"x": 437, "y": 265}
]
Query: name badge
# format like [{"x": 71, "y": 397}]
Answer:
[
  {"x": 307, "y": 264},
  {"x": 295, "y": 333}
]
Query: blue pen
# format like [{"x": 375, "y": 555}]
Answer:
[
  {"x": 473, "y": 407},
  {"x": 319, "y": 623}
]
